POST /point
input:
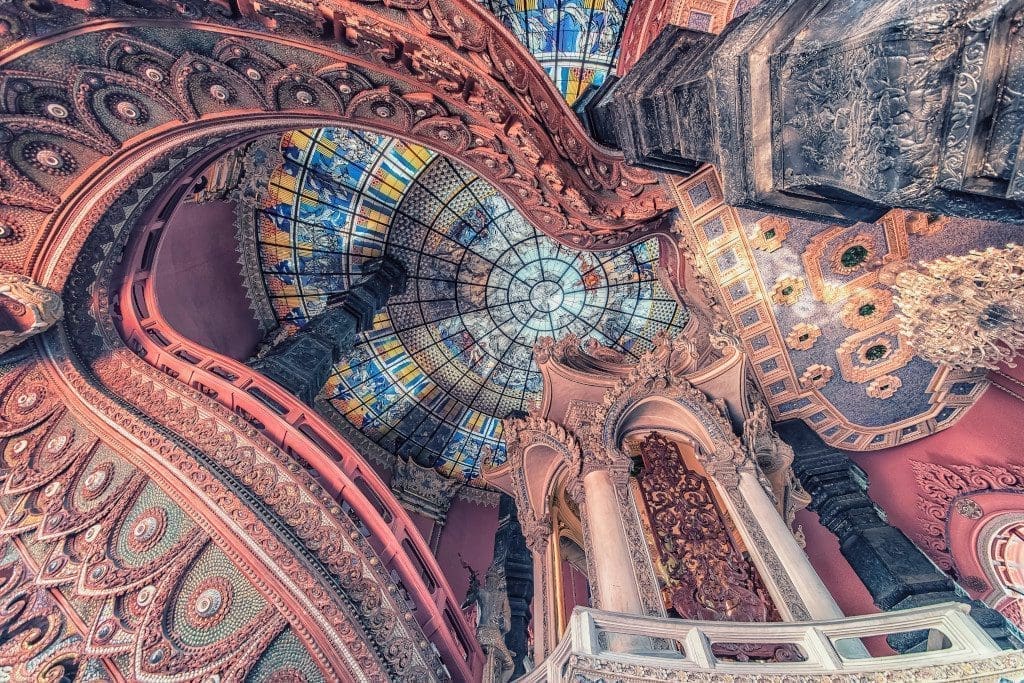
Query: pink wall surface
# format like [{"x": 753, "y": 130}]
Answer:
[
  {"x": 198, "y": 281},
  {"x": 990, "y": 433},
  {"x": 469, "y": 531},
  {"x": 425, "y": 525}
]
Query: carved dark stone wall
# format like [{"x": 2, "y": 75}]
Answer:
[{"x": 839, "y": 110}]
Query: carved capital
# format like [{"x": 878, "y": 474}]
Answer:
[
  {"x": 537, "y": 533},
  {"x": 424, "y": 490},
  {"x": 724, "y": 471},
  {"x": 26, "y": 309},
  {"x": 605, "y": 458}
]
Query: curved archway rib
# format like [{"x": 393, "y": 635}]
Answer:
[{"x": 74, "y": 98}]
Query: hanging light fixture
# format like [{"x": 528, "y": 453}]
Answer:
[{"x": 962, "y": 311}]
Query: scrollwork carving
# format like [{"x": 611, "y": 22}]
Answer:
[
  {"x": 504, "y": 118},
  {"x": 707, "y": 577}
]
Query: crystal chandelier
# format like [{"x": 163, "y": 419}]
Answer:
[{"x": 963, "y": 311}]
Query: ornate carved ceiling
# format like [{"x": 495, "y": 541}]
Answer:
[
  {"x": 453, "y": 355},
  {"x": 450, "y": 77}
]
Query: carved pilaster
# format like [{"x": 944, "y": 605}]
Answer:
[
  {"x": 424, "y": 490},
  {"x": 26, "y": 309}
]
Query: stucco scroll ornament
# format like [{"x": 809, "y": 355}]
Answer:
[
  {"x": 537, "y": 533},
  {"x": 26, "y": 309},
  {"x": 653, "y": 376},
  {"x": 762, "y": 444},
  {"x": 532, "y": 429},
  {"x": 543, "y": 349},
  {"x": 723, "y": 336}
]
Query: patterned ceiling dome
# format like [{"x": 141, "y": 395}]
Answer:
[
  {"x": 576, "y": 41},
  {"x": 453, "y": 355}
]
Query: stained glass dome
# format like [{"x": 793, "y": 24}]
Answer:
[
  {"x": 576, "y": 41},
  {"x": 453, "y": 355}
]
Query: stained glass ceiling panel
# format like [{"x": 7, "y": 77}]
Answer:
[
  {"x": 453, "y": 355},
  {"x": 576, "y": 41}
]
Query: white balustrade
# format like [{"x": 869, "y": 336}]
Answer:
[{"x": 954, "y": 639}]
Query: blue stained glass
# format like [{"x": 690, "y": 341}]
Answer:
[
  {"x": 453, "y": 355},
  {"x": 575, "y": 41}
]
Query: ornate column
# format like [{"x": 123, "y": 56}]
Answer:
[
  {"x": 302, "y": 362},
  {"x": 894, "y": 570},
  {"x": 613, "y": 560},
  {"x": 775, "y": 549},
  {"x": 26, "y": 309},
  {"x": 835, "y": 109}
]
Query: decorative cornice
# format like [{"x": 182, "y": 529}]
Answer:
[{"x": 261, "y": 156}]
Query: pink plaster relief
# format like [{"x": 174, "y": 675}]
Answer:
[{"x": 990, "y": 433}]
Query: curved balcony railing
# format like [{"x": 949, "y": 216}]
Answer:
[
  {"x": 597, "y": 642},
  {"x": 300, "y": 431}
]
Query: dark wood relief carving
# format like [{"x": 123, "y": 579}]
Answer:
[{"x": 705, "y": 574}]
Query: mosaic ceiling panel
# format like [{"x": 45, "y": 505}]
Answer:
[
  {"x": 576, "y": 41},
  {"x": 452, "y": 356},
  {"x": 820, "y": 325}
]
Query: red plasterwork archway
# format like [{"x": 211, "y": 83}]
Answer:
[
  {"x": 120, "y": 85},
  {"x": 296, "y": 429}
]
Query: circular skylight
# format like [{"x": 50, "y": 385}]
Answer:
[{"x": 453, "y": 355}]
